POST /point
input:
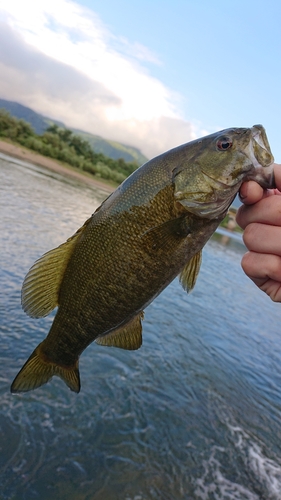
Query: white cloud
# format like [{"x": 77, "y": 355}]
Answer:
[{"x": 60, "y": 59}]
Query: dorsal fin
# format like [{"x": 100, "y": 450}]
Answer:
[
  {"x": 127, "y": 337},
  {"x": 189, "y": 274},
  {"x": 41, "y": 285}
]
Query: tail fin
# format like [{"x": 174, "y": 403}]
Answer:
[{"x": 38, "y": 370}]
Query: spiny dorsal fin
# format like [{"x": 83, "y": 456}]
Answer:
[
  {"x": 41, "y": 285},
  {"x": 189, "y": 274},
  {"x": 127, "y": 337}
]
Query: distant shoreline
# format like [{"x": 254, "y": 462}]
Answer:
[{"x": 25, "y": 154}]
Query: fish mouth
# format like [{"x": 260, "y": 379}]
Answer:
[
  {"x": 264, "y": 176},
  {"x": 261, "y": 146},
  {"x": 259, "y": 153}
]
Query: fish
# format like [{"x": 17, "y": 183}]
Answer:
[{"x": 150, "y": 230}]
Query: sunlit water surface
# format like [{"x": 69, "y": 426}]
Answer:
[{"x": 194, "y": 414}]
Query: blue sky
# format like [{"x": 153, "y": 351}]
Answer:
[{"x": 153, "y": 74}]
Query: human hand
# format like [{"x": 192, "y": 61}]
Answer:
[{"x": 260, "y": 217}]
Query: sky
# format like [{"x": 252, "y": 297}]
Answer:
[{"x": 149, "y": 73}]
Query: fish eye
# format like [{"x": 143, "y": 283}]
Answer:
[{"x": 224, "y": 143}]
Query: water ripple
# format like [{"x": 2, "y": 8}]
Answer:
[{"x": 195, "y": 413}]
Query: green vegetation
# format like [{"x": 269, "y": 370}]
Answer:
[
  {"x": 112, "y": 149},
  {"x": 107, "y": 147},
  {"x": 62, "y": 144},
  {"x": 229, "y": 222}
]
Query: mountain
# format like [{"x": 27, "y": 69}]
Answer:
[
  {"x": 112, "y": 149},
  {"x": 40, "y": 123}
]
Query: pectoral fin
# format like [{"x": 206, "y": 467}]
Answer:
[
  {"x": 41, "y": 286},
  {"x": 127, "y": 337},
  {"x": 189, "y": 274},
  {"x": 166, "y": 234}
]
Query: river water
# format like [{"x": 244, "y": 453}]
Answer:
[{"x": 194, "y": 414}]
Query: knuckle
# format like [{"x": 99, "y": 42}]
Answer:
[
  {"x": 250, "y": 235},
  {"x": 246, "y": 263}
]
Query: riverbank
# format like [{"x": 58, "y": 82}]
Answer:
[{"x": 25, "y": 154}]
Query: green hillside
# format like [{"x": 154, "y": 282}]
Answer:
[
  {"x": 63, "y": 145},
  {"x": 112, "y": 149},
  {"x": 40, "y": 124}
]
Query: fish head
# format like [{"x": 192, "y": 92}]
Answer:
[{"x": 211, "y": 173}]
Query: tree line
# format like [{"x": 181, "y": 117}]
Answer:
[{"x": 62, "y": 144}]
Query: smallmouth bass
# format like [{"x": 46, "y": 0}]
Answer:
[{"x": 151, "y": 229}]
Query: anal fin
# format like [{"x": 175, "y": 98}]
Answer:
[{"x": 129, "y": 336}]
